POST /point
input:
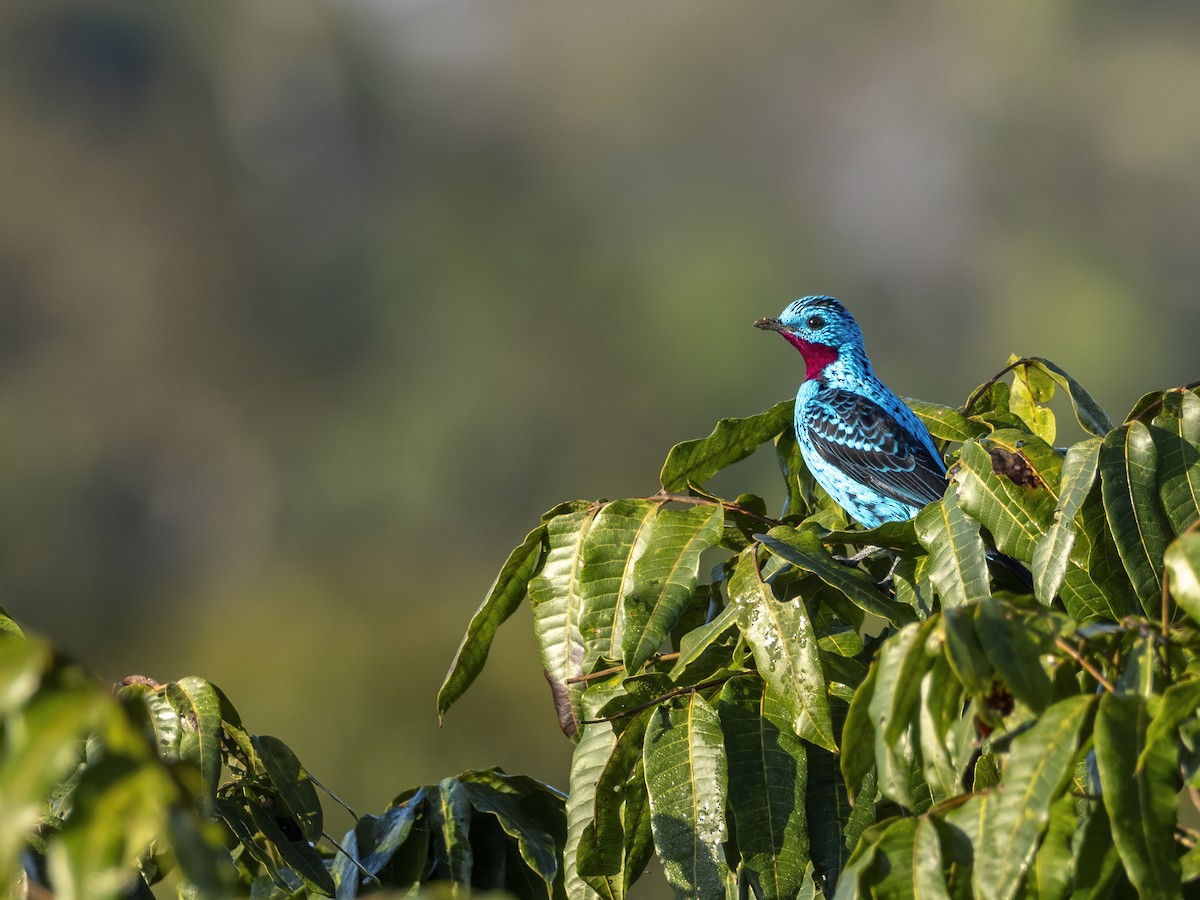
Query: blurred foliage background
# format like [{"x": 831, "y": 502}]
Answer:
[{"x": 309, "y": 309}]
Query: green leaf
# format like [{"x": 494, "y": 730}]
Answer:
[
  {"x": 555, "y": 594},
  {"x": 602, "y": 846},
  {"x": 617, "y": 538},
  {"x": 41, "y": 747},
  {"x": 946, "y": 734},
  {"x": 1105, "y": 570},
  {"x": 665, "y": 577},
  {"x": 1088, "y": 413},
  {"x": 858, "y": 736},
  {"x": 1098, "y": 869},
  {"x": 965, "y": 651},
  {"x": 768, "y": 776},
  {"x": 1182, "y": 561},
  {"x": 1050, "y": 877},
  {"x": 1032, "y": 387},
  {"x": 500, "y": 602},
  {"x": 1129, "y": 483},
  {"x": 1039, "y": 767},
  {"x": 199, "y": 707},
  {"x": 1140, "y": 801},
  {"x": 781, "y": 637},
  {"x": 1009, "y": 483},
  {"x": 901, "y": 663},
  {"x": 596, "y": 742},
  {"x": 945, "y": 423},
  {"x": 1179, "y": 703},
  {"x": 292, "y": 785},
  {"x": 374, "y": 841},
  {"x": 1014, "y": 648},
  {"x": 688, "y": 784},
  {"x": 834, "y": 825},
  {"x": 694, "y": 462},
  {"x": 696, "y": 643},
  {"x": 802, "y": 548},
  {"x": 1052, "y": 555},
  {"x": 119, "y": 809},
  {"x": 537, "y": 835},
  {"x": 449, "y": 811},
  {"x": 802, "y": 488},
  {"x": 1177, "y": 436},
  {"x": 958, "y": 564},
  {"x": 299, "y": 856},
  {"x": 8, "y": 626}
]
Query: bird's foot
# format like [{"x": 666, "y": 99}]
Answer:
[{"x": 862, "y": 554}]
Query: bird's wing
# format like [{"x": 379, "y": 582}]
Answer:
[{"x": 865, "y": 441}]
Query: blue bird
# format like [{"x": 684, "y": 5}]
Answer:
[{"x": 868, "y": 450}]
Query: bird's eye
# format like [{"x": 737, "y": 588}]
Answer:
[{"x": 815, "y": 322}]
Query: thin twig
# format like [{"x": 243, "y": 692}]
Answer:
[
  {"x": 669, "y": 695},
  {"x": 1088, "y": 667},
  {"x": 613, "y": 670}
]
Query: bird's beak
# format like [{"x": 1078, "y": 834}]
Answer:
[{"x": 769, "y": 325}]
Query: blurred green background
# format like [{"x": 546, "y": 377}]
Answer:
[{"x": 309, "y": 309}]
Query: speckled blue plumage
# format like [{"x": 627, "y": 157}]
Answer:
[{"x": 863, "y": 445}]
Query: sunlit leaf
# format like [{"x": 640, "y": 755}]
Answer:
[
  {"x": 555, "y": 594},
  {"x": 945, "y": 733},
  {"x": 664, "y": 578},
  {"x": 1039, "y": 767},
  {"x": 1129, "y": 482},
  {"x": 945, "y": 423},
  {"x": 617, "y": 538},
  {"x": 1009, "y": 483},
  {"x": 694, "y": 462},
  {"x": 687, "y": 780},
  {"x": 858, "y": 737},
  {"x": 1052, "y": 555},
  {"x": 1182, "y": 561},
  {"x": 1088, "y": 413},
  {"x": 500, "y": 602},
  {"x": 900, "y": 665},
  {"x": 696, "y": 643},
  {"x": 958, "y": 564},
  {"x": 1181, "y": 701},
  {"x": 1177, "y": 436},
  {"x": 1032, "y": 387},
  {"x": 1050, "y": 876},
  {"x": 200, "y": 708},
  {"x": 601, "y": 854},
  {"x": 768, "y": 775},
  {"x": 781, "y": 637},
  {"x": 596, "y": 742},
  {"x": 1141, "y": 800}
]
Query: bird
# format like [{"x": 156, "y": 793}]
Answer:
[{"x": 860, "y": 441}]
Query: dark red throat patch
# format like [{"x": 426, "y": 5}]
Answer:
[{"x": 816, "y": 356}]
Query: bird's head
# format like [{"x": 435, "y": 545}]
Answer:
[{"x": 819, "y": 327}]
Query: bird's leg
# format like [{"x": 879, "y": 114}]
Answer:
[
  {"x": 869, "y": 551},
  {"x": 890, "y": 572}
]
